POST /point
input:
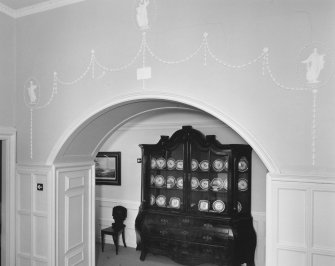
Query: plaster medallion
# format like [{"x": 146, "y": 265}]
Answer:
[{"x": 31, "y": 92}]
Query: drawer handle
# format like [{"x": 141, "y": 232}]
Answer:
[
  {"x": 207, "y": 238},
  {"x": 164, "y": 221},
  {"x": 163, "y": 232},
  {"x": 185, "y": 220},
  {"x": 184, "y": 233},
  {"x": 208, "y": 226}
]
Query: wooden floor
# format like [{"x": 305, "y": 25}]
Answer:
[{"x": 130, "y": 257}]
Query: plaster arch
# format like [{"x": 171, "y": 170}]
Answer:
[{"x": 94, "y": 125}]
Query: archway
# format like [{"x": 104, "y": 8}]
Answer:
[
  {"x": 76, "y": 151},
  {"x": 154, "y": 100}
]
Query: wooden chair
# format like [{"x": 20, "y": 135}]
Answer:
[{"x": 117, "y": 228}]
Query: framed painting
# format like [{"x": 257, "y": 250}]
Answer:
[{"x": 108, "y": 168}]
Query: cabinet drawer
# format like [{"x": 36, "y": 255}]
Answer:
[
  {"x": 158, "y": 219},
  {"x": 186, "y": 234},
  {"x": 192, "y": 253},
  {"x": 167, "y": 232},
  {"x": 208, "y": 237}
]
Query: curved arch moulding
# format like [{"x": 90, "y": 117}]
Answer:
[{"x": 171, "y": 100}]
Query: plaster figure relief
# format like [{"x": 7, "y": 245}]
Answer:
[
  {"x": 314, "y": 63},
  {"x": 142, "y": 14},
  {"x": 32, "y": 92}
]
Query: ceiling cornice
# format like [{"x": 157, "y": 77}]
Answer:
[
  {"x": 7, "y": 10},
  {"x": 37, "y": 8}
]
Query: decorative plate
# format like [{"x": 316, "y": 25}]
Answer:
[
  {"x": 161, "y": 163},
  {"x": 239, "y": 206},
  {"x": 225, "y": 164},
  {"x": 161, "y": 201},
  {"x": 217, "y": 183},
  {"x": 152, "y": 179},
  {"x": 170, "y": 181},
  {"x": 219, "y": 206},
  {"x": 204, "y": 184},
  {"x": 194, "y": 182},
  {"x": 152, "y": 200},
  {"x": 242, "y": 164},
  {"x": 179, "y": 182},
  {"x": 159, "y": 180},
  {"x": 225, "y": 183},
  {"x": 179, "y": 165},
  {"x": 174, "y": 203},
  {"x": 153, "y": 163},
  {"x": 204, "y": 165},
  {"x": 203, "y": 205},
  {"x": 171, "y": 163},
  {"x": 194, "y": 165},
  {"x": 218, "y": 165},
  {"x": 242, "y": 184}
]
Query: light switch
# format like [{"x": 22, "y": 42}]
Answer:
[{"x": 39, "y": 186}]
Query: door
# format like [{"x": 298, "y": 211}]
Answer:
[
  {"x": 0, "y": 196},
  {"x": 74, "y": 219}
]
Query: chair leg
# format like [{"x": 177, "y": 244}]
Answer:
[
  {"x": 116, "y": 243},
  {"x": 123, "y": 239},
  {"x": 102, "y": 241}
]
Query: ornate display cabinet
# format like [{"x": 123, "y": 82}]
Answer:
[{"x": 196, "y": 200}]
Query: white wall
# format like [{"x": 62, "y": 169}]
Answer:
[
  {"x": 280, "y": 119},
  {"x": 7, "y": 71},
  {"x": 35, "y": 217}
]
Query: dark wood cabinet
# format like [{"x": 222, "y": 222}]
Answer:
[{"x": 196, "y": 200}]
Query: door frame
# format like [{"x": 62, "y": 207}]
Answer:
[{"x": 8, "y": 136}]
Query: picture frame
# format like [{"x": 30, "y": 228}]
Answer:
[{"x": 108, "y": 168}]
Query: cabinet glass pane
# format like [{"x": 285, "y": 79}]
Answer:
[{"x": 166, "y": 179}]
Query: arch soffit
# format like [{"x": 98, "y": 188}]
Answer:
[{"x": 186, "y": 102}]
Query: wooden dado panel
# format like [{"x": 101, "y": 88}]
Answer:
[
  {"x": 323, "y": 260},
  {"x": 74, "y": 258},
  {"x": 323, "y": 219},
  {"x": 292, "y": 217},
  {"x": 301, "y": 213},
  {"x": 34, "y": 238},
  {"x": 74, "y": 220},
  {"x": 291, "y": 258}
]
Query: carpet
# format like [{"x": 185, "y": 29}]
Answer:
[{"x": 130, "y": 257}]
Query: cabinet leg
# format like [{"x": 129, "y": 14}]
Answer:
[
  {"x": 143, "y": 254},
  {"x": 102, "y": 241}
]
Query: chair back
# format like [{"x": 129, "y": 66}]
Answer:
[{"x": 119, "y": 214}]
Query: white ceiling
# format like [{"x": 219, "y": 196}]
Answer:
[
  {"x": 17, "y": 4},
  {"x": 21, "y": 8}
]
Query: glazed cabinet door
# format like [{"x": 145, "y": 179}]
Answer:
[
  {"x": 243, "y": 182},
  {"x": 209, "y": 178},
  {"x": 165, "y": 176}
]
